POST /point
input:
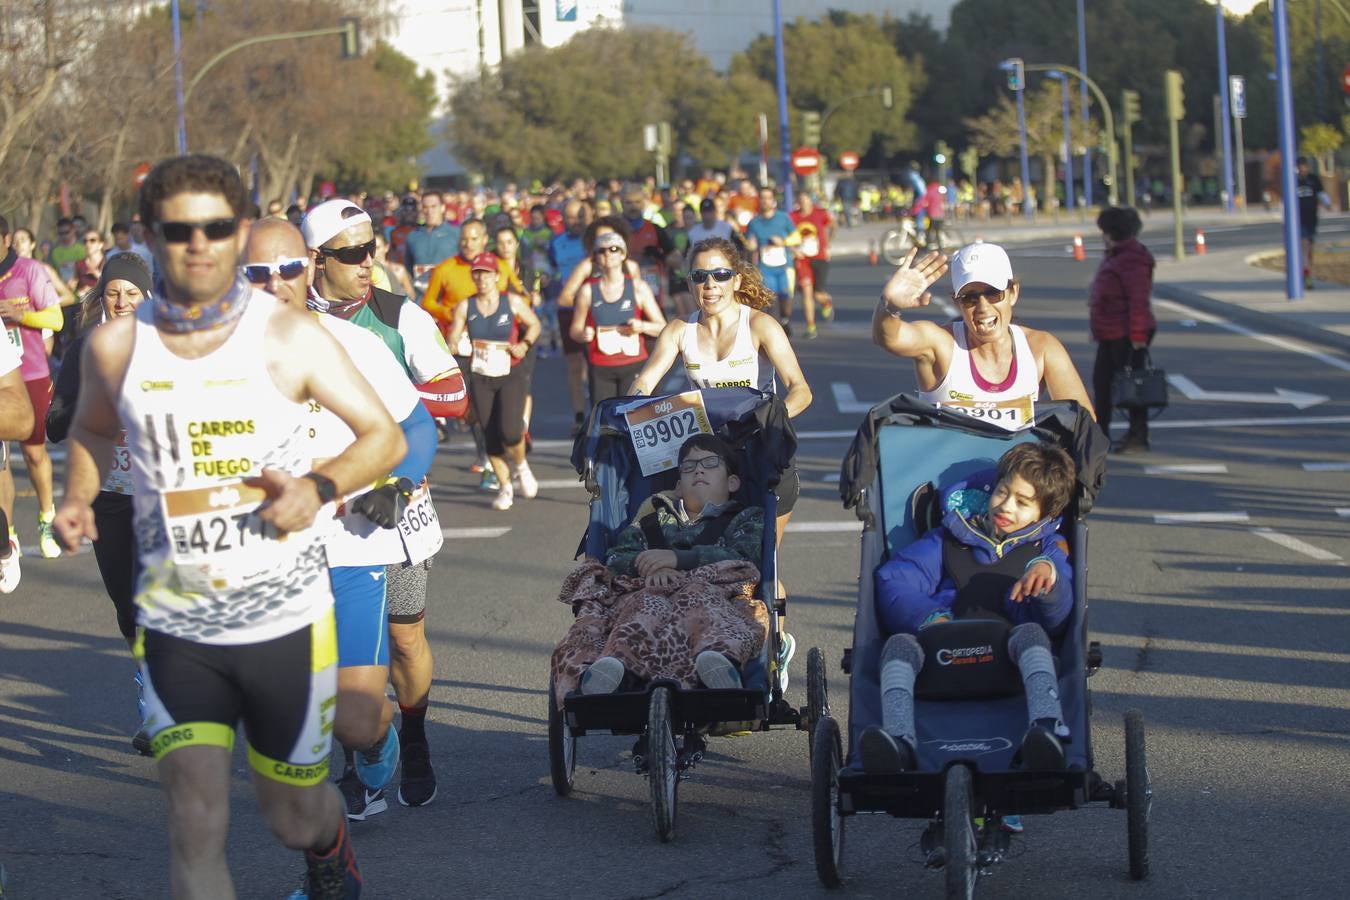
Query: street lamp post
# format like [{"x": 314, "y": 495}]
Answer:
[
  {"x": 1082, "y": 67},
  {"x": 178, "y": 78},
  {"x": 1108, "y": 119},
  {"x": 1068, "y": 138},
  {"x": 1226, "y": 129},
  {"x": 1293, "y": 257},
  {"x": 784, "y": 137}
]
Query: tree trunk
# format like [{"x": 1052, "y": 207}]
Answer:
[
  {"x": 1048, "y": 201},
  {"x": 110, "y": 179}
]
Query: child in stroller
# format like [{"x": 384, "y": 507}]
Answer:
[{"x": 997, "y": 554}]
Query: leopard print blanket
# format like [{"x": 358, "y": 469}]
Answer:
[{"x": 657, "y": 632}]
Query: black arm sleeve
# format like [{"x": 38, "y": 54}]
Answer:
[{"x": 65, "y": 394}]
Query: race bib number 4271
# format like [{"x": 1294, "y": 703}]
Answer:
[{"x": 658, "y": 428}]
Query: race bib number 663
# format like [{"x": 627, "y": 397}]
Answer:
[{"x": 658, "y": 428}]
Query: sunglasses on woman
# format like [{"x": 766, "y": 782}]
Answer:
[
  {"x": 261, "y": 273},
  {"x": 972, "y": 298},
  {"x": 721, "y": 276},
  {"x": 353, "y": 255},
  {"x": 181, "y": 232}
]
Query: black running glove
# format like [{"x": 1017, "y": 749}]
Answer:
[{"x": 384, "y": 506}]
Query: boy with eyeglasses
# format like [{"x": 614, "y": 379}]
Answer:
[{"x": 699, "y": 523}]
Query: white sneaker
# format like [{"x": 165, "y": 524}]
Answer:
[
  {"x": 505, "y": 497},
  {"x": 9, "y": 569},
  {"x": 524, "y": 481}
]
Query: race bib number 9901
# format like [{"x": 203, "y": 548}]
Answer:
[
  {"x": 658, "y": 428},
  {"x": 1012, "y": 415}
]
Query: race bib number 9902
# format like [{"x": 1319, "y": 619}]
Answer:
[{"x": 658, "y": 428}]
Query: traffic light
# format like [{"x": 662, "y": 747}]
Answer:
[
  {"x": 1176, "y": 95},
  {"x": 351, "y": 38},
  {"x": 1017, "y": 78},
  {"x": 1129, "y": 102},
  {"x": 811, "y": 129}
]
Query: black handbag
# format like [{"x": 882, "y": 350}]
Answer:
[{"x": 1140, "y": 387}]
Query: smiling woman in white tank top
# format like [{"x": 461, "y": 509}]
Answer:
[
  {"x": 728, "y": 342},
  {"x": 982, "y": 364}
]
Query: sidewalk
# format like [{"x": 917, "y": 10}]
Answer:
[
  {"x": 858, "y": 240},
  {"x": 1223, "y": 283}
]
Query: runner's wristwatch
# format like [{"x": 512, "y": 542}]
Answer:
[{"x": 325, "y": 486}]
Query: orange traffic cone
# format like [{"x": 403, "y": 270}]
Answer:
[
  {"x": 1200, "y": 249},
  {"x": 872, "y": 256},
  {"x": 1079, "y": 252}
]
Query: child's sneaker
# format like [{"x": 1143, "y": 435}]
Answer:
[
  {"x": 787, "y": 646},
  {"x": 603, "y": 676},
  {"x": 716, "y": 671}
]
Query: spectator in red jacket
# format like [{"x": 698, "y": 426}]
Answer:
[{"x": 1121, "y": 317}]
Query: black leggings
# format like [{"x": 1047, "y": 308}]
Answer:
[
  {"x": 612, "y": 381},
  {"x": 1112, "y": 356},
  {"x": 115, "y": 552},
  {"x": 499, "y": 403}
]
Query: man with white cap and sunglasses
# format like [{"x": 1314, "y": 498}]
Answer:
[
  {"x": 341, "y": 241},
  {"x": 980, "y": 364}
]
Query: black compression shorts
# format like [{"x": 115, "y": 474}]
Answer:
[{"x": 283, "y": 690}]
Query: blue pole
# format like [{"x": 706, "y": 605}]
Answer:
[
  {"x": 1027, "y": 209},
  {"x": 1224, "y": 114},
  {"x": 1284, "y": 95},
  {"x": 178, "y": 77},
  {"x": 782, "y": 102},
  {"x": 1068, "y": 145},
  {"x": 1082, "y": 67}
]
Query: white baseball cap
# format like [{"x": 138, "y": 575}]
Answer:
[
  {"x": 984, "y": 263},
  {"x": 326, "y": 220}
]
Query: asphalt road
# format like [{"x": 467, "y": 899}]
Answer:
[{"x": 1227, "y": 625}]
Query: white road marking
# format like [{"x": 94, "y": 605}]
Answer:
[
  {"x": 35, "y": 552},
  {"x": 460, "y": 534},
  {"x": 832, "y": 478},
  {"x": 1193, "y": 391},
  {"x": 1198, "y": 518},
  {"x": 1335, "y": 362},
  {"x": 1343, "y": 512},
  {"x": 559, "y": 483},
  {"x": 823, "y": 527},
  {"x": 1327, "y": 467},
  {"x": 1284, "y": 422},
  {"x": 1290, "y": 542},
  {"x": 1188, "y": 469},
  {"x": 846, "y": 400}
]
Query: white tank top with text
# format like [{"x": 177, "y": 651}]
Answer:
[
  {"x": 744, "y": 366},
  {"x": 1010, "y": 404},
  {"x": 212, "y": 571}
]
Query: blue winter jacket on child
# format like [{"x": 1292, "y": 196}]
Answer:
[{"x": 914, "y": 584}]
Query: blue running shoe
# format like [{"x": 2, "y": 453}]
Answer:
[
  {"x": 376, "y": 765},
  {"x": 1011, "y": 824}
]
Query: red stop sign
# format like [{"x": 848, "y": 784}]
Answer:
[
  {"x": 848, "y": 160},
  {"x": 1345, "y": 80},
  {"x": 806, "y": 161}
]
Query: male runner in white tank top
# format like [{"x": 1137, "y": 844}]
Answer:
[
  {"x": 985, "y": 292},
  {"x": 211, "y": 381}
]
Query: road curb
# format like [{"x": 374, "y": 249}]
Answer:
[{"x": 1252, "y": 318}]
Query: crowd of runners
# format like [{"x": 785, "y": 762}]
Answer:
[{"x": 250, "y": 404}]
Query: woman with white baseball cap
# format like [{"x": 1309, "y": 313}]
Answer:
[{"x": 980, "y": 364}]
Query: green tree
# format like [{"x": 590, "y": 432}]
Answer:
[
  {"x": 1321, "y": 141},
  {"x": 996, "y": 133},
  {"x": 829, "y": 61},
  {"x": 386, "y": 159},
  {"x": 572, "y": 110}
]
